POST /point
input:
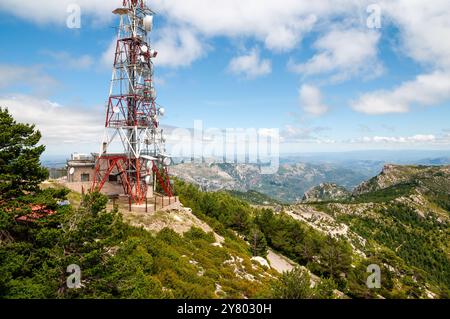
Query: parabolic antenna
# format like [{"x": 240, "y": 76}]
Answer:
[
  {"x": 116, "y": 109},
  {"x": 148, "y": 179},
  {"x": 72, "y": 171},
  {"x": 167, "y": 161},
  {"x": 148, "y": 23},
  {"x": 153, "y": 53}
]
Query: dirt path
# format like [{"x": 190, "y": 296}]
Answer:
[{"x": 279, "y": 262}]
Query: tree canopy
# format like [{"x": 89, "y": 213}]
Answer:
[{"x": 20, "y": 168}]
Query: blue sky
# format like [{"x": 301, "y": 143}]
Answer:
[{"x": 316, "y": 72}]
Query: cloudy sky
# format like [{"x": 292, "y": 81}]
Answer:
[{"x": 331, "y": 75}]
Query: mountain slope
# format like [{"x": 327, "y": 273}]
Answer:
[
  {"x": 403, "y": 212},
  {"x": 325, "y": 192},
  {"x": 288, "y": 185},
  {"x": 433, "y": 178}
]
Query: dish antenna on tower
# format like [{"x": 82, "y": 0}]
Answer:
[{"x": 148, "y": 23}]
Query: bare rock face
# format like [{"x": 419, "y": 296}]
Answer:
[
  {"x": 417, "y": 176},
  {"x": 325, "y": 192}
]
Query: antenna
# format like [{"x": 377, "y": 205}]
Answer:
[{"x": 132, "y": 113}]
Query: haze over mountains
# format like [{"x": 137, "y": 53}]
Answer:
[{"x": 299, "y": 173}]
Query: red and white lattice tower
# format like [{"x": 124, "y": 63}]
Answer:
[{"x": 132, "y": 112}]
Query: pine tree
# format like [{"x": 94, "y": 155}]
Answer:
[{"x": 20, "y": 168}]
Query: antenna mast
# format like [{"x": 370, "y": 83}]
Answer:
[{"x": 132, "y": 114}]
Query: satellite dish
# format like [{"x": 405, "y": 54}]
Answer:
[
  {"x": 143, "y": 59},
  {"x": 167, "y": 161},
  {"x": 148, "y": 23},
  {"x": 161, "y": 111},
  {"x": 116, "y": 109},
  {"x": 148, "y": 179},
  {"x": 72, "y": 171},
  {"x": 165, "y": 155},
  {"x": 144, "y": 49},
  {"x": 153, "y": 53}
]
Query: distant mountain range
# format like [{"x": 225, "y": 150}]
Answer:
[
  {"x": 288, "y": 185},
  {"x": 296, "y": 175}
]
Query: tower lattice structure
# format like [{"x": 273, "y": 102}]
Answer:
[{"x": 132, "y": 114}]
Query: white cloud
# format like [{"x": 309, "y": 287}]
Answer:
[
  {"x": 343, "y": 53},
  {"x": 250, "y": 65},
  {"x": 31, "y": 77},
  {"x": 285, "y": 38},
  {"x": 65, "y": 59},
  {"x": 423, "y": 27},
  {"x": 425, "y": 90},
  {"x": 179, "y": 47},
  {"x": 311, "y": 100},
  {"x": 398, "y": 140},
  {"x": 107, "y": 58},
  {"x": 59, "y": 125},
  {"x": 280, "y": 27},
  {"x": 297, "y": 134},
  {"x": 56, "y": 11}
]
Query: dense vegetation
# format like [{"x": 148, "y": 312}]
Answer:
[
  {"x": 323, "y": 255},
  {"x": 411, "y": 250},
  {"x": 295, "y": 284},
  {"x": 20, "y": 169},
  {"x": 116, "y": 260},
  {"x": 40, "y": 236},
  {"x": 421, "y": 242},
  {"x": 254, "y": 198}
]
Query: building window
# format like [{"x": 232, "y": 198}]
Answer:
[{"x": 85, "y": 177}]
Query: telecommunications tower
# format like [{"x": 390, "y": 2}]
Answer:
[{"x": 132, "y": 114}]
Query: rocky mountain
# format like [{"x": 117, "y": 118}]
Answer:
[
  {"x": 424, "y": 178},
  {"x": 325, "y": 192},
  {"x": 288, "y": 185},
  {"x": 401, "y": 216},
  {"x": 398, "y": 220}
]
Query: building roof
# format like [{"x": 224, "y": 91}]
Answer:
[{"x": 37, "y": 212}]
